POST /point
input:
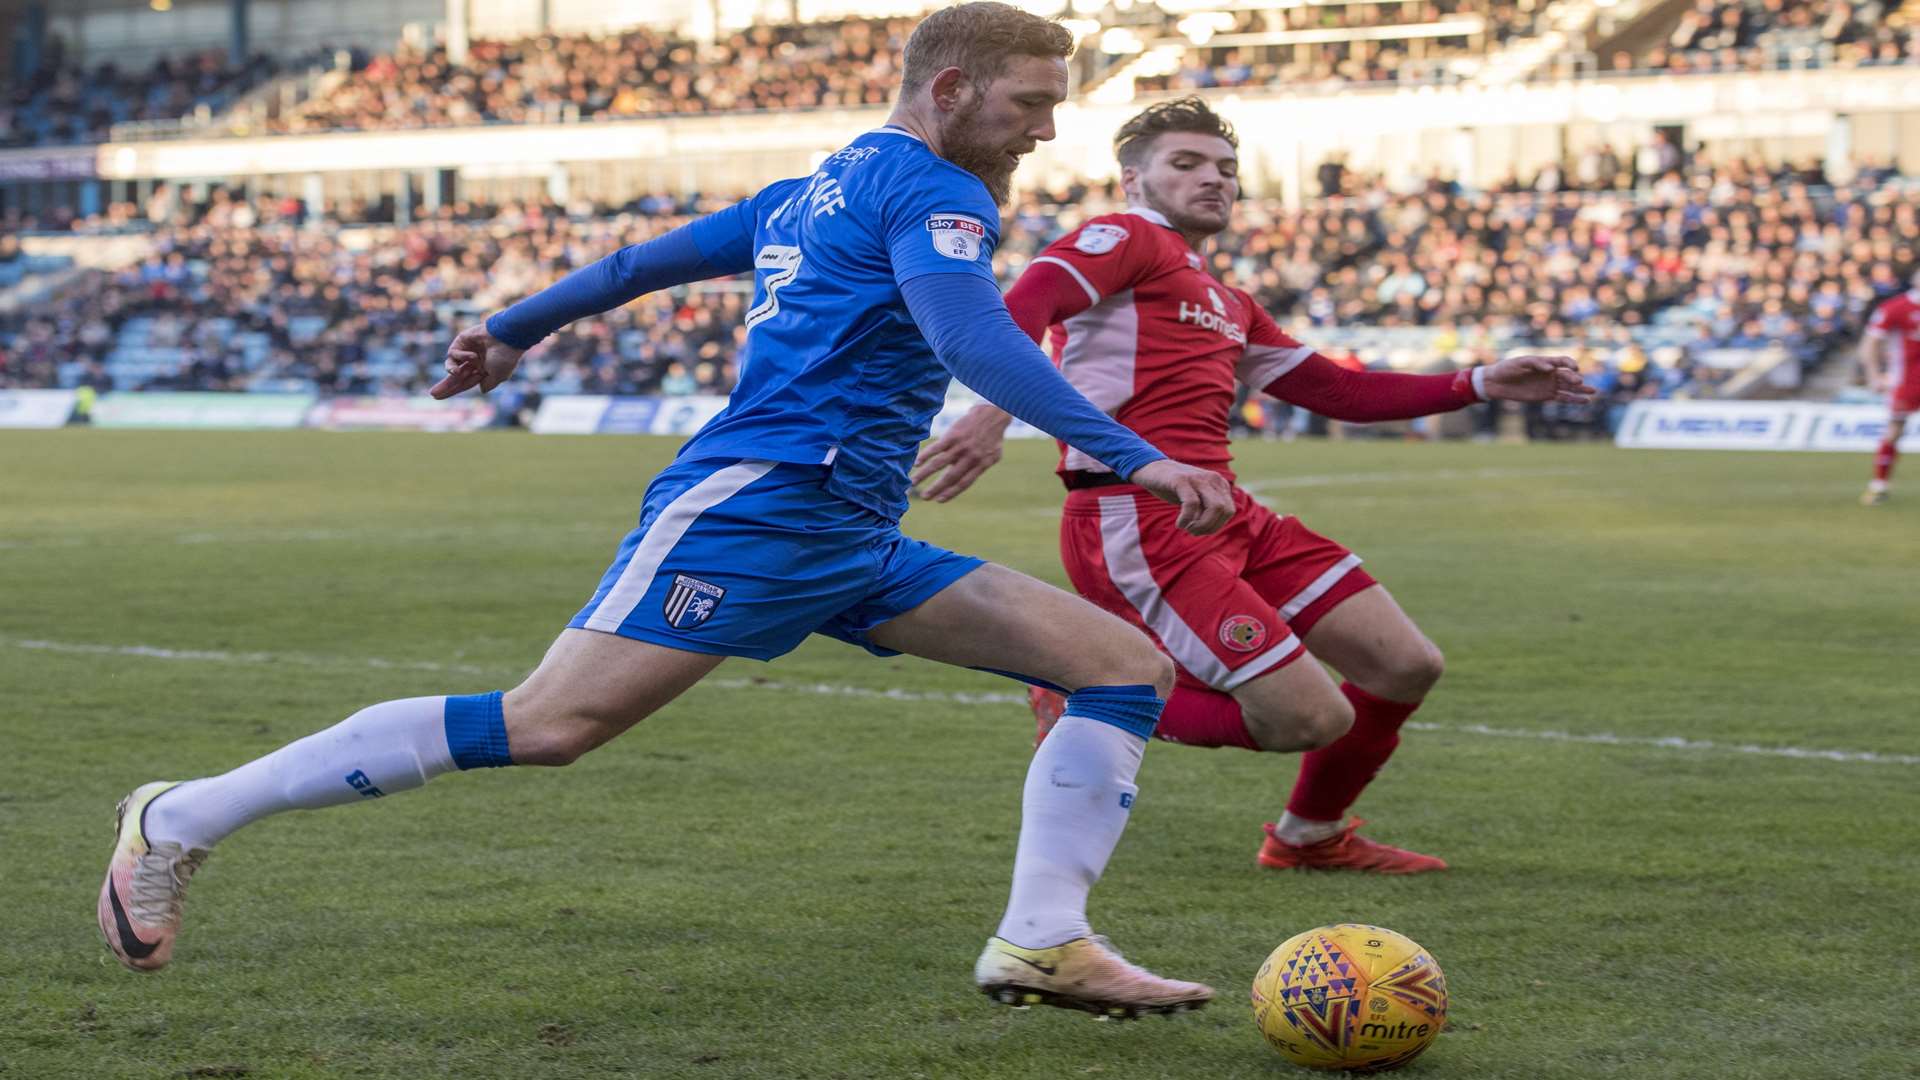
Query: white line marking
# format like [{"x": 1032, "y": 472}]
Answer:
[
  {"x": 1671, "y": 742},
  {"x": 303, "y": 536},
  {"x": 951, "y": 697},
  {"x": 216, "y": 656},
  {"x": 1411, "y": 476}
]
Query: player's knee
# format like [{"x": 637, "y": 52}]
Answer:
[
  {"x": 1415, "y": 672},
  {"x": 1157, "y": 669},
  {"x": 1301, "y": 726},
  {"x": 551, "y": 733},
  {"x": 1130, "y": 659}
]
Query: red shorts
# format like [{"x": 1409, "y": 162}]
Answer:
[
  {"x": 1226, "y": 607},
  {"x": 1906, "y": 398}
]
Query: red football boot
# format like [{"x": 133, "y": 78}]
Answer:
[
  {"x": 1047, "y": 707},
  {"x": 1345, "y": 850}
]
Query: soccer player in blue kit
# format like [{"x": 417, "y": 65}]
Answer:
[{"x": 780, "y": 518}]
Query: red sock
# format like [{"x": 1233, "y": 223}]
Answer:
[
  {"x": 1883, "y": 461},
  {"x": 1332, "y": 777},
  {"x": 1195, "y": 717}
]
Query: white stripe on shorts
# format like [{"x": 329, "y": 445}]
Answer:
[
  {"x": 665, "y": 532},
  {"x": 1318, "y": 587},
  {"x": 1127, "y": 569}
]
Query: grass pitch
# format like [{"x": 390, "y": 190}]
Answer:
[{"x": 789, "y": 879}]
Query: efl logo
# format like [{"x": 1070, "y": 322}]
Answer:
[
  {"x": 1100, "y": 239},
  {"x": 957, "y": 237}
]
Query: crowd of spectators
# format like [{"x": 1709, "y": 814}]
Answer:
[
  {"x": 242, "y": 297},
  {"x": 67, "y": 103},
  {"x": 1417, "y": 58},
  {"x": 1709, "y": 36},
  {"x": 1761, "y": 35},
  {"x": 1647, "y": 287},
  {"x": 635, "y": 73}
]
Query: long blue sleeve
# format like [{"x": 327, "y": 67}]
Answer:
[
  {"x": 717, "y": 245},
  {"x": 973, "y": 334}
]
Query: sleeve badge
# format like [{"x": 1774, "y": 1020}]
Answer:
[{"x": 1099, "y": 239}]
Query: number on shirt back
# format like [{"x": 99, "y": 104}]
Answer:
[{"x": 784, "y": 261}]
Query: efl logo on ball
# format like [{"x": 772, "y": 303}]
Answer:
[
  {"x": 1243, "y": 633},
  {"x": 1353, "y": 997}
]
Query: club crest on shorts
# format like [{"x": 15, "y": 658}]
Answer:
[
  {"x": 691, "y": 602},
  {"x": 1243, "y": 633}
]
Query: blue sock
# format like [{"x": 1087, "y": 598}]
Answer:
[
  {"x": 477, "y": 731},
  {"x": 1134, "y": 709}
]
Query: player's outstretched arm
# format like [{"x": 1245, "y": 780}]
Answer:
[
  {"x": 967, "y": 323},
  {"x": 718, "y": 245},
  {"x": 955, "y": 460},
  {"x": 1364, "y": 397},
  {"x": 1534, "y": 378},
  {"x": 476, "y": 358},
  {"x": 1873, "y": 350},
  {"x": 1047, "y": 293}
]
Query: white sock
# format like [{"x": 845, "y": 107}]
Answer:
[
  {"x": 393, "y": 746},
  {"x": 1299, "y": 830},
  {"x": 1876, "y": 485},
  {"x": 1077, "y": 799}
]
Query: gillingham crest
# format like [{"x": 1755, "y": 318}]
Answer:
[{"x": 691, "y": 602}]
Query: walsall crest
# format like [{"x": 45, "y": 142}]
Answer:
[
  {"x": 1243, "y": 633},
  {"x": 691, "y": 602}
]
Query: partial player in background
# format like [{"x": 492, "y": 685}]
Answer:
[
  {"x": 1890, "y": 357},
  {"x": 873, "y": 288},
  {"x": 1139, "y": 325}
]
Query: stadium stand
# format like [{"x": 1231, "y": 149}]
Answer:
[
  {"x": 64, "y": 103},
  {"x": 1671, "y": 288},
  {"x": 1761, "y": 35},
  {"x": 635, "y": 73}
]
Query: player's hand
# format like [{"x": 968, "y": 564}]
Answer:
[
  {"x": 476, "y": 358},
  {"x": 970, "y": 447},
  {"x": 1880, "y": 384},
  {"x": 1205, "y": 498},
  {"x": 1538, "y": 378}
]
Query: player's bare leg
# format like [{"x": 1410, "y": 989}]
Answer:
[
  {"x": 1079, "y": 786},
  {"x": 1889, "y": 450},
  {"x": 1389, "y": 666},
  {"x": 589, "y": 688}
]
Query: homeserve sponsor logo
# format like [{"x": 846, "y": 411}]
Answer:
[{"x": 1215, "y": 320}]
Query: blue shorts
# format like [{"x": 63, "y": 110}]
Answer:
[{"x": 746, "y": 558}]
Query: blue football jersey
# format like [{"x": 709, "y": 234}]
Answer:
[{"x": 834, "y": 370}]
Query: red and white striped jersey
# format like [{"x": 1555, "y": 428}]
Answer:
[
  {"x": 1899, "y": 318},
  {"x": 1163, "y": 341}
]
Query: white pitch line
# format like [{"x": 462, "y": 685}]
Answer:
[
  {"x": 302, "y": 536},
  {"x": 1671, "y": 742},
  {"x": 217, "y": 656},
  {"x": 997, "y": 700},
  {"x": 1408, "y": 476}
]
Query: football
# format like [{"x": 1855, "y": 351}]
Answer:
[{"x": 1350, "y": 996}]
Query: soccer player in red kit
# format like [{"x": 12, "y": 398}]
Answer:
[
  {"x": 1890, "y": 354},
  {"x": 1141, "y": 328}
]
